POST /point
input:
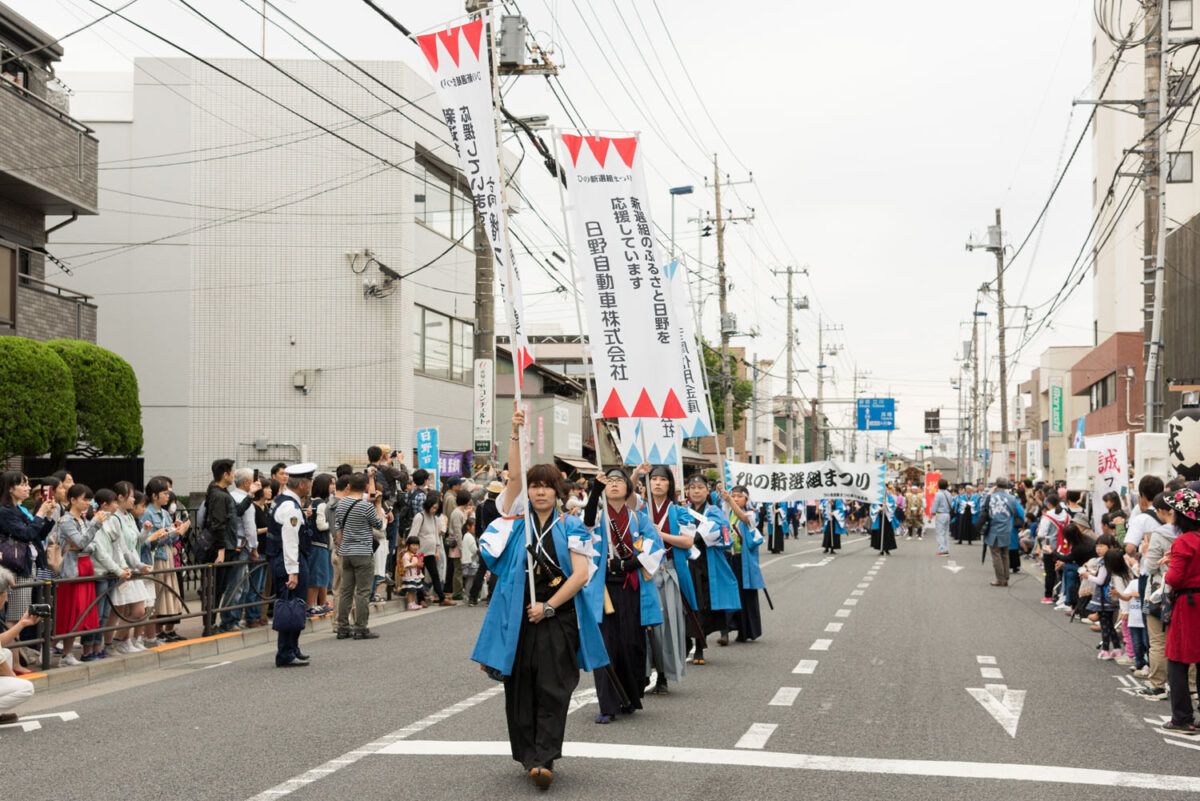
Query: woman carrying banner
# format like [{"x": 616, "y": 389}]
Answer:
[
  {"x": 538, "y": 645},
  {"x": 833, "y": 512},
  {"x": 746, "y": 541},
  {"x": 676, "y": 596},
  {"x": 716, "y": 587},
  {"x": 630, "y": 601}
]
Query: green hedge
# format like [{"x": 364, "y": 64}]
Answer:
[
  {"x": 106, "y": 397},
  {"x": 37, "y": 400}
]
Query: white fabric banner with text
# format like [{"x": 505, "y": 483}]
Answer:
[{"x": 810, "y": 481}]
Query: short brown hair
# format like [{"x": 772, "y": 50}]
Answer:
[{"x": 547, "y": 475}]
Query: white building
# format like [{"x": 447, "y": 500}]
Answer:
[
  {"x": 240, "y": 256},
  {"x": 1117, "y": 289}
]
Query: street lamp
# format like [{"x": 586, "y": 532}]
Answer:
[{"x": 676, "y": 190}]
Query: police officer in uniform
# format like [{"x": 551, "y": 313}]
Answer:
[{"x": 287, "y": 541}]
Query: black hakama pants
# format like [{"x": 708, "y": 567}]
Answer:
[
  {"x": 884, "y": 537},
  {"x": 625, "y": 641},
  {"x": 831, "y": 540},
  {"x": 538, "y": 693},
  {"x": 748, "y": 619}
]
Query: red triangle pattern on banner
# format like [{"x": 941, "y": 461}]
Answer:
[
  {"x": 626, "y": 148},
  {"x": 428, "y": 44},
  {"x": 644, "y": 407},
  {"x": 672, "y": 409},
  {"x": 450, "y": 41},
  {"x": 599, "y": 147},
  {"x": 474, "y": 33},
  {"x": 613, "y": 406},
  {"x": 574, "y": 143}
]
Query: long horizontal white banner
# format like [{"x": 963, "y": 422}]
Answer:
[{"x": 811, "y": 481}]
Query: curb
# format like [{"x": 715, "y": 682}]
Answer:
[{"x": 178, "y": 653}]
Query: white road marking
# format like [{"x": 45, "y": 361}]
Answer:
[
  {"x": 991, "y": 673},
  {"x": 864, "y": 585},
  {"x": 1001, "y": 703},
  {"x": 756, "y": 736},
  {"x": 985, "y": 660},
  {"x": 952, "y": 566},
  {"x": 581, "y": 698},
  {"x": 850, "y": 602},
  {"x": 820, "y": 645},
  {"x": 842, "y": 613},
  {"x": 63, "y": 716},
  {"x": 822, "y": 563},
  {"x": 377, "y": 746},
  {"x": 834, "y": 628},
  {"x": 856, "y": 592},
  {"x": 1182, "y": 745},
  {"x": 23, "y": 725},
  {"x": 784, "y": 696},
  {"x": 806, "y": 667},
  {"x": 995, "y": 771}
]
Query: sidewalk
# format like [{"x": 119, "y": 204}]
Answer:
[{"x": 195, "y": 647}]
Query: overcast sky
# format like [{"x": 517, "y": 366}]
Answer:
[{"x": 879, "y": 134}]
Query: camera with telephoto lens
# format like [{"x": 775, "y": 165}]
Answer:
[{"x": 39, "y": 610}]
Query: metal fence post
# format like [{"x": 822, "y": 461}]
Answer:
[
  {"x": 208, "y": 583},
  {"x": 47, "y": 589}
]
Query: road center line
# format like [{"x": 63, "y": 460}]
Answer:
[
  {"x": 756, "y": 736},
  {"x": 850, "y": 601},
  {"x": 991, "y": 673},
  {"x": 821, "y": 645},
  {"x": 996, "y": 771},
  {"x": 834, "y": 628},
  {"x": 985, "y": 660},
  {"x": 806, "y": 667},
  {"x": 784, "y": 696},
  {"x": 864, "y": 585},
  {"x": 842, "y": 613},
  {"x": 855, "y": 593},
  {"x": 350, "y": 757}
]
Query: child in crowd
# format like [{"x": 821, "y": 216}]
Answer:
[
  {"x": 1112, "y": 566},
  {"x": 470, "y": 551},
  {"x": 1133, "y": 625},
  {"x": 413, "y": 564}
]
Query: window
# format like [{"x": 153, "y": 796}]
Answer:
[
  {"x": 13, "y": 70},
  {"x": 1181, "y": 14},
  {"x": 1180, "y": 171},
  {"x": 1103, "y": 392},
  {"x": 443, "y": 347},
  {"x": 8, "y": 286},
  {"x": 442, "y": 204}
]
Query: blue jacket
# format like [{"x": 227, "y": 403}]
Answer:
[
  {"x": 502, "y": 547},
  {"x": 752, "y": 578},
  {"x": 1006, "y": 513},
  {"x": 837, "y": 511},
  {"x": 651, "y": 555},
  {"x": 678, "y": 516},
  {"x": 722, "y": 586}
]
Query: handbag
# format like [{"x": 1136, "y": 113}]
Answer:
[
  {"x": 54, "y": 554},
  {"x": 291, "y": 615},
  {"x": 14, "y": 555}
]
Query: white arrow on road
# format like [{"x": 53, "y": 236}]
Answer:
[
  {"x": 63, "y": 716},
  {"x": 822, "y": 563},
  {"x": 952, "y": 566},
  {"x": 23, "y": 725},
  {"x": 1003, "y": 704}
]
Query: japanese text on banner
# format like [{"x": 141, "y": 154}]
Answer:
[
  {"x": 465, "y": 92},
  {"x": 811, "y": 481}
]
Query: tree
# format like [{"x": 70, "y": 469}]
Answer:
[
  {"x": 37, "y": 400},
  {"x": 106, "y": 397},
  {"x": 743, "y": 389}
]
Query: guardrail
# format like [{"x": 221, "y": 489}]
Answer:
[{"x": 45, "y": 592}]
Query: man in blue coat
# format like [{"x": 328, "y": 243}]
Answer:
[{"x": 1003, "y": 511}]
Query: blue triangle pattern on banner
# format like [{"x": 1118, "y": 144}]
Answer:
[
  {"x": 634, "y": 456},
  {"x": 700, "y": 430},
  {"x": 672, "y": 456},
  {"x": 670, "y": 268},
  {"x": 655, "y": 457}
]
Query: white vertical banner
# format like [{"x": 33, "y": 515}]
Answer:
[
  {"x": 698, "y": 423},
  {"x": 657, "y": 441},
  {"x": 461, "y": 78},
  {"x": 483, "y": 410},
  {"x": 1110, "y": 472},
  {"x": 634, "y": 338}
]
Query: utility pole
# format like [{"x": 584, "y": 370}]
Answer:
[
  {"x": 1156, "y": 168},
  {"x": 728, "y": 325},
  {"x": 973, "y": 453},
  {"x": 854, "y": 433},
  {"x": 819, "y": 453},
  {"x": 789, "y": 398},
  {"x": 754, "y": 413},
  {"x": 995, "y": 245}
]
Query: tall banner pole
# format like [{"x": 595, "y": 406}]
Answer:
[{"x": 516, "y": 339}]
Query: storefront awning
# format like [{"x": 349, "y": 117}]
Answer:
[{"x": 580, "y": 465}]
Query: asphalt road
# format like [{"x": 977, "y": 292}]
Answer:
[{"x": 881, "y": 707}]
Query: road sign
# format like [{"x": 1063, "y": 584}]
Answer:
[
  {"x": 876, "y": 414},
  {"x": 933, "y": 421}
]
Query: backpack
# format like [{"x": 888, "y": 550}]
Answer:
[{"x": 404, "y": 516}]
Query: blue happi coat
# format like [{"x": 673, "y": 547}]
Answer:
[
  {"x": 677, "y": 517},
  {"x": 835, "y": 510},
  {"x": 649, "y": 546},
  {"x": 502, "y": 547},
  {"x": 722, "y": 586},
  {"x": 752, "y": 577},
  {"x": 893, "y": 512}
]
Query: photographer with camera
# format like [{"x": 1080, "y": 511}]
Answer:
[{"x": 14, "y": 690}]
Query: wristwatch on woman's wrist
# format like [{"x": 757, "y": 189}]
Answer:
[{"x": 547, "y": 610}]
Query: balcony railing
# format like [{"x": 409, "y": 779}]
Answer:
[{"x": 48, "y": 108}]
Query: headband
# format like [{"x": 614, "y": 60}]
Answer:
[
  {"x": 741, "y": 489},
  {"x": 661, "y": 472},
  {"x": 697, "y": 478}
]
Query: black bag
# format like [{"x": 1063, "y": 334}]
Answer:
[
  {"x": 985, "y": 519},
  {"x": 291, "y": 614},
  {"x": 202, "y": 546},
  {"x": 404, "y": 515},
  {"x": 14, "y": 555}
]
